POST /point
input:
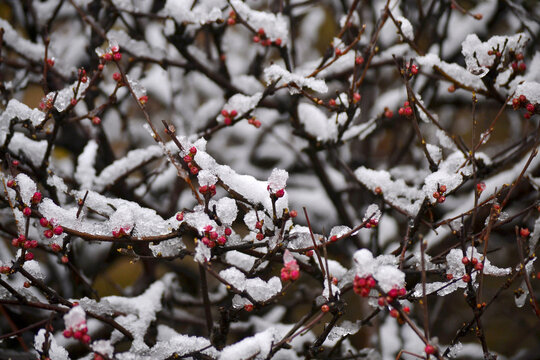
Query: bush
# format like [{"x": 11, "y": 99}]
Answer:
[{"x": 221, "y": 179}]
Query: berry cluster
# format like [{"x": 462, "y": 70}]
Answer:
[
  {"x": 518, "y": 65},
  {"x": 79, "y": 332},
  {"x": 261, "y": 38},
  {"x": 208, "y": 190},
  {"x": 211, "y": 237},
  {"x": 363, "y": 285},
  {"x": 372, "y": 223},
  {"x": 291, "y": 271},
  {"x": 231, "y": 20},
  {"x": 52, "y": 228},
  {"x": 189, "y": 161},
  {"x": 112, "y": 54},
  {"x": 229, "y": 116},
  {"x": 259, "y": 226},
  {"x": 255, "y": 122},
  {"x": 478, "y": 265},
  {"x": 405, "y": 110},
  {"x": 24, "y": 243},
  {"x": 392, "y": 295},
  {"x": 439, "y": 194},
  {"x": 522, "y": 101}
]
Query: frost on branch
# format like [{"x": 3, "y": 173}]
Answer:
[{"x": 274, "y": 26}]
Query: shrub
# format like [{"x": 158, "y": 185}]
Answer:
[{"x": 221, "y": 179}]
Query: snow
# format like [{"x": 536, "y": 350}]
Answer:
[
  {"x": 277, "y": 73},
  {"x": 56, "y": 352},
  {"x": 316, "y": 123},
  {"x": 406, "y": 27},
  {"x": 275, "y": 26},
  {"x": 85, "y": 172},
  {"x": 226, "y": 210},
  {"x": 530, "y": 89},
  {"x": 242, "y": 104}
]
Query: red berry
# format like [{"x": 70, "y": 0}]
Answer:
[
  {"x": 58, "y": 230},
  {"x": 50, "y": 62},
  {"x": 48, "y": 233},
  {"x": 388, "y": 114},
  {"x": 180, "y": 216},
  {"x": 194, "y": 170},
  {"x": 394, "y": 313},
  {"x": 527, "y": 116},
  {"x": 309, "y": 253},
  {"x": 29, "y": 256},
  {"x": 228, "y": 231},
  {"x": 333, "y": 238},
  {"x": 474, "y": 261},
  {"x": 55, "y": 247},
  {"x": 359, "y": 60},
  {"x": 227, "y": 121},
  {"x": 414, "y": 69},
  {"x": 371, "y": 282},
  {"x": 78, "y": 334},
  {"x": 332, "y": 102},
  {"x": 449, "y": 276},
  {"x": 117, "y": 56},
  {"x": 15, "y": 163},
  {"x": 465, "y": 260},
  {"x": 256, "y": 39},
  {"x": 278, "y": 42},
  {"x": 73, "y": 101},
  {"x": 100, "y": 67},
  {"x": 27, "y": 211},
  {"x": 117, "y": 76},
  {"x": 381, "y": 301},
  {"x": 260, "y": 236},
  {"x": 231, "y": 21},
  {"x": 143, "y": 99},
  {"x": 479, "y": 266},
  {"x": 86, "y": 338},
  {"x": 293, "y": 213},
  {"x": 466, "y": 278},
  {"x": 65, "y": 259},
  {"x": 222, "y": 240},
  {"x": 530, "y": 107},
  {"x": 522, "y": 67},
  {"x": 248, "y": 307},
  {"x": 193, "y": 150},
  {"x": 364, "y": 292},
  {"x": 524, "y": 232},
  {"x": 522, "y": 99},
  {"x": 187, "y": 158},
  {"x": 36, "y": 198},
  {"x": 280, "y": 193},
  {"x": 481, "y": 186},
  {"x": 441, "y": 199},
  {"x": 96, "y": 120},
  {"x": 203, "y": 189},
  {"x": 393, "y": 293},
  {"x": 26, "y": 284},
  {"x": 442, "y": 188},
  {"x": 325, "y": 308},
  {"x": 10, "y": 183},
  {"x": 225, "y": 113},
  {"x": 406, "y": 309},
  {"x": 260, "y": 31},
  {"x": 429, "y": 349},
  {"x": 436, "y": 195},
  {"x": 408, "y": 111},
  {"x": 514, "y": 66},
  {"x": 233, "y": 113},
  {"x": 338, "y": 51},
  {"x": 67, "y": 333},
  {"x": 357, "y": 97}
]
